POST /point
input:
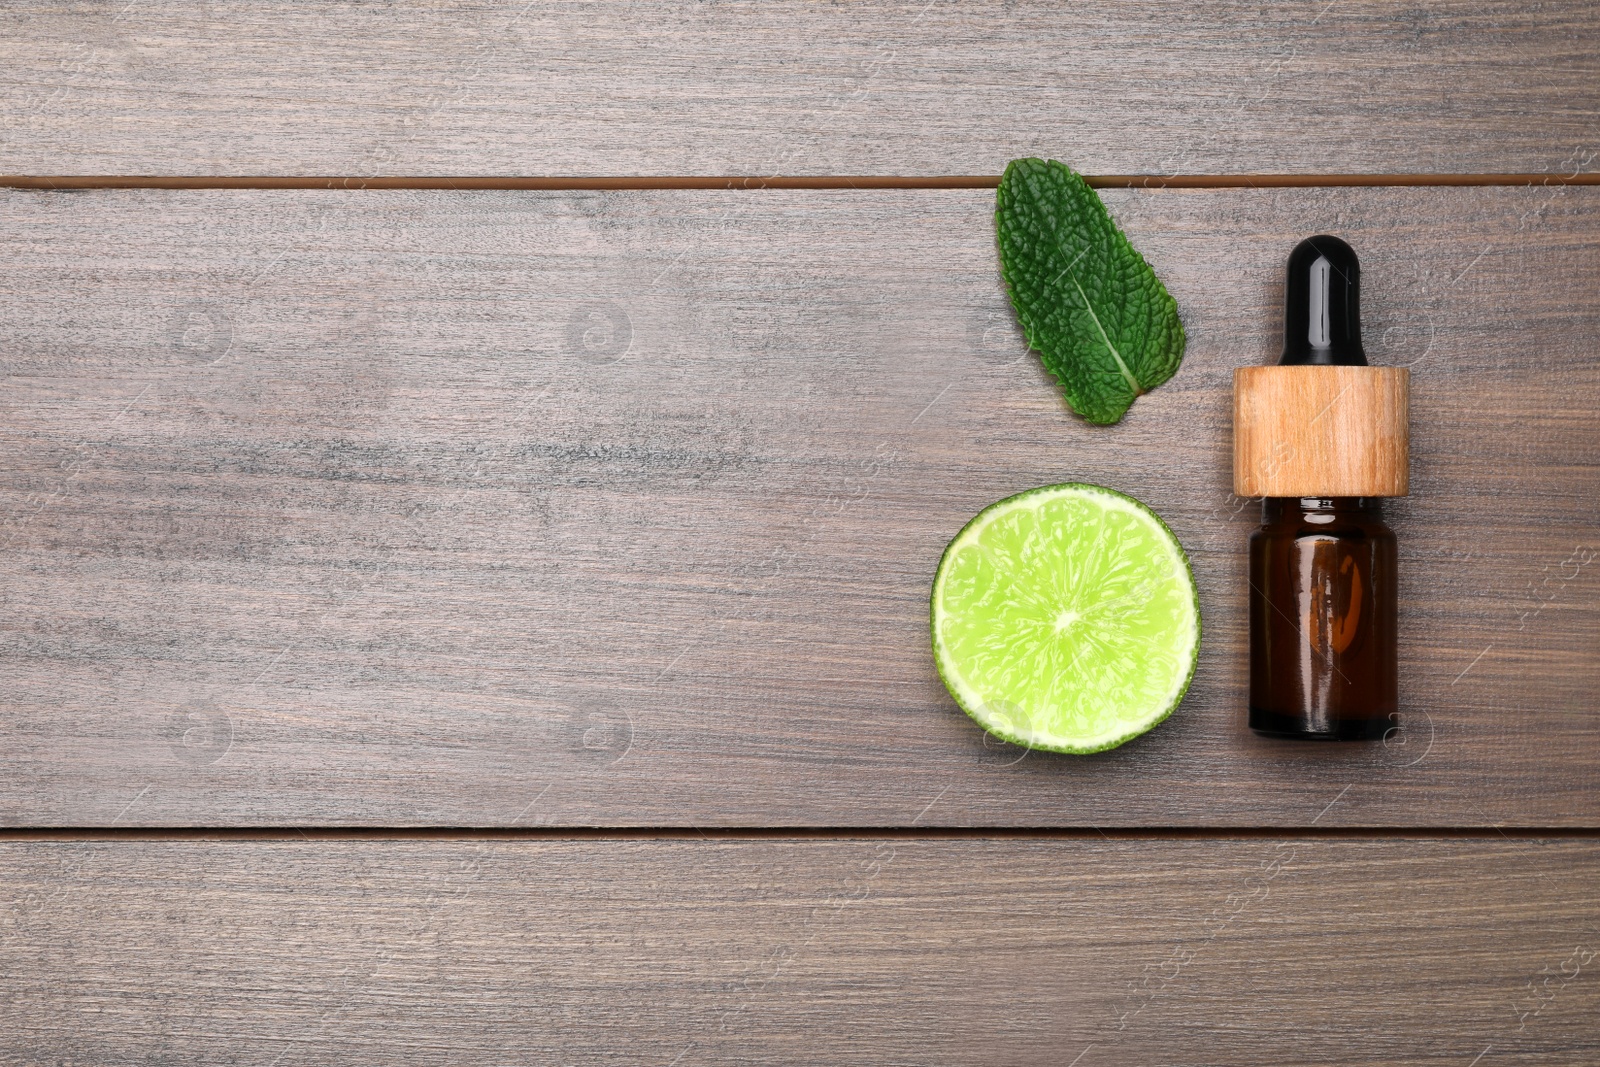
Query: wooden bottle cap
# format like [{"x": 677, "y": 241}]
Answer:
[{"x": 1320, "y": 431}]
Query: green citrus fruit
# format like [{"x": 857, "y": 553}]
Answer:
[{"x": 1066, "y": 618}]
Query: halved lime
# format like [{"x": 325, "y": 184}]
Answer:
[{"x": 1066, "y": 618}]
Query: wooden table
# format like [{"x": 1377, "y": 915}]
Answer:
[{"x": 471, "y": 479}]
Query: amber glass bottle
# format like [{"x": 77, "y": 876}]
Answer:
[
  {"x": 1322, "y": 620},
  {"x": 1320, "y": 437}
]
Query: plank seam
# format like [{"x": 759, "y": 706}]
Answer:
[
  {"x": 633, "y": 833},
  {"x": 465, "y": 183}
]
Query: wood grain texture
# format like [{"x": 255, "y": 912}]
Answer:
[
  {"x": 1321, "y": 431},
  {"x": 610, "y": 88},
  {"x": 1242, "y": 952},
  {"x": 621, "y": 508}
]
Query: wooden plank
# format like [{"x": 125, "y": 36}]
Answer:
[
  {"x": 478, "y": 87},
  {"x": 889, "y": 950},
  {"x": 621, "y": 508}
]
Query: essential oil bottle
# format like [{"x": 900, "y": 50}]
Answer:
[{"x": 1322, "y": 437}]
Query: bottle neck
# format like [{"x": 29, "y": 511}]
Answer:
[{"x": 1315, "y": 509}]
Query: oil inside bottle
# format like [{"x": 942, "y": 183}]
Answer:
[{"x": 1323, "y": 661}]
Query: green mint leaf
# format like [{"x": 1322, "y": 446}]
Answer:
[{"x": 1089, "y": 304}]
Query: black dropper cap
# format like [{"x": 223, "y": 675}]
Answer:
[{"x": 1322, "y": 305}]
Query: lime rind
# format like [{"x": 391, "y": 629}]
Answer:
[{"x": 1173, "y": 641}]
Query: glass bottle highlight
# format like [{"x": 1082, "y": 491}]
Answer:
[{"x": 1322, "y": 437}]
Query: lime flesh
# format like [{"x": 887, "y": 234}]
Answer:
[{"x": 1066, "y": 618}]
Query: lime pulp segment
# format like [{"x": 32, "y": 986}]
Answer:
[{"x": 1066, "y": 618}]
